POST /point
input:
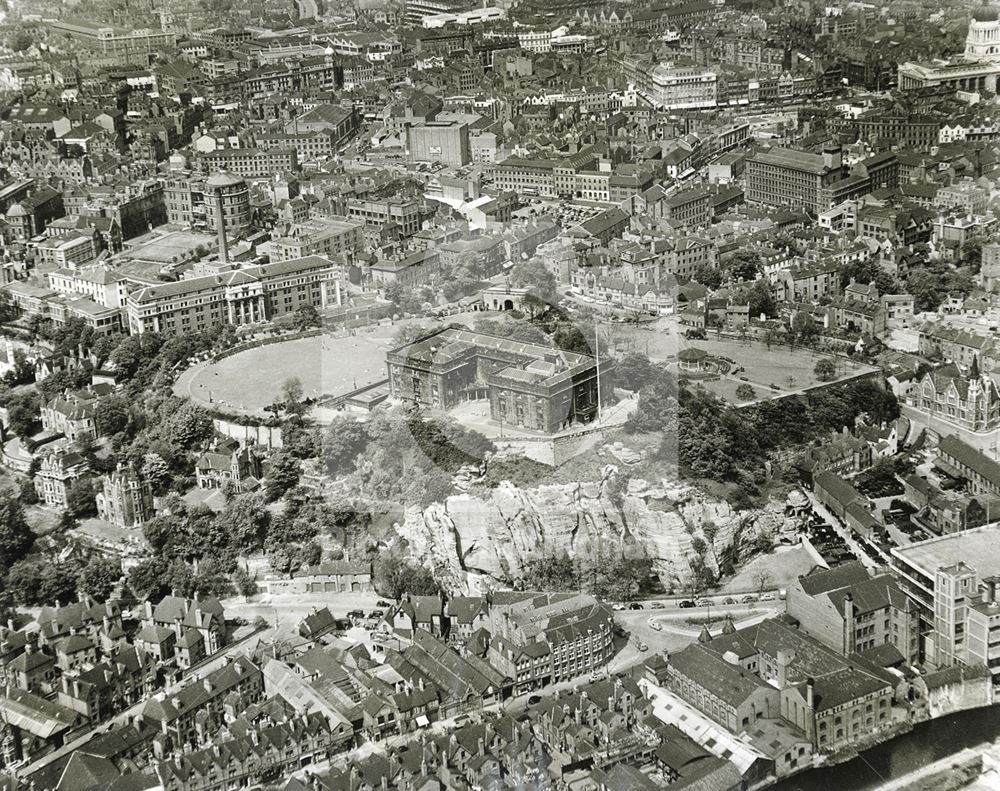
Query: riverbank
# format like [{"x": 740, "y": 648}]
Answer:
[
  {"x": 938, "y": 740},
  {"x": 947, "y": 774}
]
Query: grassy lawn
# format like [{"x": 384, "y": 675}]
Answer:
[
  {"x": 789, "y": 369},
  {"x": 252, "y": 379},
  {"x": 100, "y": 530},
  {"x": 726, "y": 388},
  {"x": 783, "y": 566}
]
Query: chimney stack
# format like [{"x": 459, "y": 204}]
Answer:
[
  {"x": 784, "y": 659},
  {"x": 848, "y": 623}
]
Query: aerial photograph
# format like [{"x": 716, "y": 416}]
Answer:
[{"x": 499, "y": 395}]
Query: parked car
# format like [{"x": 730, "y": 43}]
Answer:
[
  {"x": 356, "y": 615},
  {"x": 376, "y": 614},
  {"x": 655, "y": 625},
  {"x": 534, "y": 700},
  {"x": 657, "y": 605},
  {"x": 729, "y": 600},
  {"x": 749, "y": 599},
  {"x": 686, "y": 603},
  {"x": 383, "y": 603},
  {"x": 635, "y": 606},
  {"x": 769, "y": 596},
  {"x": 617, "y": 607},
  {"x": 642, "y": 647},
  {"x": 705, "y": 602}
]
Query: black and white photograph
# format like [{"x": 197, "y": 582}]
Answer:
[{"x": 499, "y": 395}]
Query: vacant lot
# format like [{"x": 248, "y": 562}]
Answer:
[{"x": 777, "y": 569}]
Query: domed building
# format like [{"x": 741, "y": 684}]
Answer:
[
  {"x": 975, "y": 70},
  {"x": 983, "y": 41}
]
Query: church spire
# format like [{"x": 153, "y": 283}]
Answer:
[{"x": 974, "y": 370}]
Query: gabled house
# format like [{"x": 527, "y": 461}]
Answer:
[{"x": 226, "y": 463}]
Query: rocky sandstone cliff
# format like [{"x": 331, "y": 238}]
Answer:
[{"x": 475, "y": 541}]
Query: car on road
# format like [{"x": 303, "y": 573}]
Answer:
[
  {"x": 686, "y": 604},
  {"x": 635, "y": 606},
  {"x": 655, "y": 625},
  {"x": 598, "y": 675},
  {"x": 657, "y": 605},
  {"x": 749, "y": 599},
  {"x": 534, "y": 700},
  {"x": 642, "y": 647},
  {"x": 729, "y": 600}
]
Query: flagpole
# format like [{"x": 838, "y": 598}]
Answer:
[{"x": 597, "y": 353}]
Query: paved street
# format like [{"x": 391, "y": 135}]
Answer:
[{"x": 843, "y": 532}]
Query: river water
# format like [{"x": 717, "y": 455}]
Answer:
[{"x": 926, "y": 743}]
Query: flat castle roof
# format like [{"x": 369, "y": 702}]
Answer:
[{"x": 978, "y": 548}]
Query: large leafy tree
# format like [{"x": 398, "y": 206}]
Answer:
[
  {"x": 395, "y": 576},
  {"x": 111, "y": 415},
  {"x": 99, "y": 577},
  {"x": 536, "y": 277},
  {"x": 32, "y": 582},
  {"x": 826, "y": 369},
  {"x": 283, "y": 473},
  {"x": 245, "y": 521},
  {"x": 23, "y": 411},
  {"x": 188, "y": 426},
  {"x": 343, "y": 440},
  {"x": 635, "y": 371},
  {"x": 744, "y": 265},
  {"x": 16, "y": 537},
  {"x": 80, "y": 498}
]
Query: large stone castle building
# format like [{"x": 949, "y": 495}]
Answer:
[{"x": 541, "y": 388}]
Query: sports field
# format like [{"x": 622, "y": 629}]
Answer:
[{"x": 250, "y": 380}]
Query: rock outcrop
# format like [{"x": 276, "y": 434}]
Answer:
[{"x": 474, "y": 541}]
